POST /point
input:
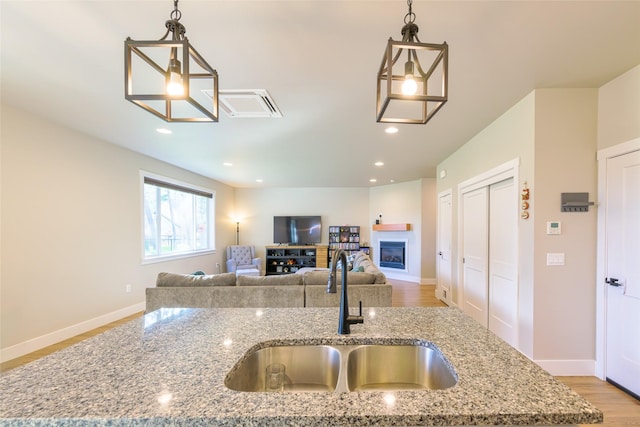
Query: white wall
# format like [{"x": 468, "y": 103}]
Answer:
[
  {"x": 336, "y": 206},
  {"x": 399, "y": 203},
  {"x": 71, "y": 232},
  {"x": 412, "y": 202}
]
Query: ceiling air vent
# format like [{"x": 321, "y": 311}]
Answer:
[{"x": 247, "y": 103}]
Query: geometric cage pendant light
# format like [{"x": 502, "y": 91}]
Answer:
[
  {"x": 169, "y": 78},
  {"x": 413, "y": 77}
]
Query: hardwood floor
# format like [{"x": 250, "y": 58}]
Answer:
[
  {"x": 619, "y": 408},
  {"x": 408, "y": 294},
  {"x": 19, "y": 361}
]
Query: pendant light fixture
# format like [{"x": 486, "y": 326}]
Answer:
[
  {"x": 413, "y": 77},
  {"x": 169, "y": 78}
]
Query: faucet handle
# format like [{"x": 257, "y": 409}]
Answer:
[{"x": 358, "y": 318}]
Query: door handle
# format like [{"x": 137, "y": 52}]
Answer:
[
  {"x": 440, "y": 253},
  {"x": 613, "y": 282}
]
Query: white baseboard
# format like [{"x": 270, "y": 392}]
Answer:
[
  {"x": 54, "y": 337},
  {"x": 568, "y": 368},
  {"x": 405, "y": 277},
  {"x": 442, "y": 298},
  {"x": 399, "y": 275}
]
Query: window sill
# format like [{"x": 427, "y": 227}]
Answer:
[{"x": 165, "y": 258}]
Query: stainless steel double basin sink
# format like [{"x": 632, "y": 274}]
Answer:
[{"x": 342, "y": 368}]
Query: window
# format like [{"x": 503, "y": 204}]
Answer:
[{"x": 178, "y": 218}]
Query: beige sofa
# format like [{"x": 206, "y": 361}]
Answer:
[
  {"x": 307, "y": 288},
  {"x": 224, "y": 290},
  {"x": 365, "y": 283}
]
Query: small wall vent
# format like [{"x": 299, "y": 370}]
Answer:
[{"x": 247, "y": 103}]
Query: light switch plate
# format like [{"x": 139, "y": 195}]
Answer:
[{"x": 555, "y": 258}]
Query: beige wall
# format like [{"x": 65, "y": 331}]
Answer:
[
  {"x": 509, "y": 137},
  {"x": 429, "y": 234},
  {"x": 619, "y": 109},
  {"x": 71, "y": 228},
  {"x": 70, "y": 217},
  {"x": 71, "y": 231},
  {"x": 552, "y": 132},
  {"x": 412, "y": 202},
  {"x": 565, "y": 161}
]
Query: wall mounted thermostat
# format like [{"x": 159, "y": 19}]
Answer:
[{"x": 554, "y": 227}]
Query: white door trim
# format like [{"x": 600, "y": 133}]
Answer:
[
  {"x": 499, "y": 173},
  {"x": 448, "y": 299},
  {"x": 601, "y": 291}
]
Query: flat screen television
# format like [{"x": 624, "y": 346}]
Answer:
[{"x": 297, "y": 230}]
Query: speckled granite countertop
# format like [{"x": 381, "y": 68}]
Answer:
[{"x": 171, "y": 370}]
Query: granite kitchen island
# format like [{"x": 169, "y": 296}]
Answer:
[{"x": 169, "y": 366}]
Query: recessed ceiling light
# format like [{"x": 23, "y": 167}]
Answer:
[
  {"x": 379, "y": 163},
  {"x": 228, "y": 164},
  {"x": 391, "y": 129},
  {"x": 259, "y": 180},
  {"x": 164, "y": 131},
  {"x": 373, "y": 180}
]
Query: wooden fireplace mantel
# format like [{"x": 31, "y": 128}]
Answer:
[{"x": 391, "y": 227}]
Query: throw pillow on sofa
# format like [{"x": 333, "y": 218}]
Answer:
[
  {"x": 176, "y": 280},
  {"x": 359, "y": 258}
]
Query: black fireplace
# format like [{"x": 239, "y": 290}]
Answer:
[{"x": 392, "y": 255}]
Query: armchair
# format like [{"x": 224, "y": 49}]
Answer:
[{"x": 242, "y": 258}]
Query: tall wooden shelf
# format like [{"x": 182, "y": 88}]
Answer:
[{"x": 391, "y": 227}]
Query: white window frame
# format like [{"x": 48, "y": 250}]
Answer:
[{"x": 188, "y": 186}]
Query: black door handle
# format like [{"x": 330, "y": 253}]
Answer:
[
  {"x": 440, "y": 253},
  {"x": 613, "y": 282}
]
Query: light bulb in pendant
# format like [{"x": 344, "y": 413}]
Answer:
[
  {"x": 174, "y": 78},
  {"x": 409, "y": 86}
]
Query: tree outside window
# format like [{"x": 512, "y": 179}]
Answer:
[{"x": 177, "y": 219}]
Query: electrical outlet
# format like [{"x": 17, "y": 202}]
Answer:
[{"x": 127, "y": 288}]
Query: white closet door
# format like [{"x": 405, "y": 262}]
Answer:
[
  {"x": 503, "y": 262},
  {"x": 623, "y": 271},
  {"x": 475, "y": 254}
]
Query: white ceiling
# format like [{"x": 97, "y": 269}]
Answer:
[{"x": 318, "y": 59}]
